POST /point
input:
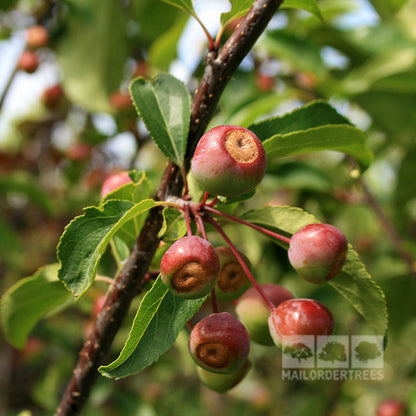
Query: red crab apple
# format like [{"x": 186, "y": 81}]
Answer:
[
  {"x": 190, "y": 267},
  {"x": 232, "y": 280},
  {"x": 114, "y": 182},
  {"x": 120, "y": 100},
  {"x": 28, "y": 62},
  {"x": 219, "y": 343},
  {"x": 229, "y": 161},
  {"x": 298, "y": 317},
  {"x": 37, "y": 36},
  {"x": 254, "y": 313},
  {"x": 391, "y": 407},
  {"x": 223, "y": 382},
  {"x": 52, "y": 95},
  {"x": 317, "y": 252}
]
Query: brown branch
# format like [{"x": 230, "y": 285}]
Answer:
[{"x": 218, "y": 71}]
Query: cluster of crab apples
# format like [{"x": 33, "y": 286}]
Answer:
[{"x": 230, "y": 161}]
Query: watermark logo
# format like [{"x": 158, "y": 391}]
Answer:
[{"x": 336, "y": 357}]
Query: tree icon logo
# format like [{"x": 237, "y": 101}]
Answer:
[
  {"x": 333, "y": 351},
  {"x": 366, "y": 351},
  {"x": 298, "y": 351}
]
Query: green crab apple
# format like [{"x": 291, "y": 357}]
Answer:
[
  {"x": 219, "y": 343},
  {"x": 190, "y": 267},
  {"x": 254, "y": 313},
  {"x": 318, "y": 252},
  {"x": 298, "y": 317},
  {"x": 221, "y": 383},
  {"x": 229, "y": 161},
  {"x": 232, "y": 280}
]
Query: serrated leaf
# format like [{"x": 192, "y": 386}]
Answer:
[
  {"x": 186, "y": 5},
  {"x": 136, "y": 191},
  {"x": 164, "y": 105},
  {"x": 30, "y": 299},
  {"x": 314, "y": 127},
  {"x": 174, "y": 226},
  {"x": 159, "y": 319},
  {"x": 238, "y": 8},
  {"x": 86, "y": 238},
  {"x": 353, "y": 282},
  {"x": 310, "y": 6}
]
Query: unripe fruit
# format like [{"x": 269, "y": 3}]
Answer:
[
  {"x": 223, "y": 382},
  {"x": 51, "y": 96},
  {"x": 318, "y": 252},
  {"x": 114, "y": 182},
  {"x": 190, "y": 267},
  {"x": 254, "y": 313},
  {"x": 28, "y": 62},
  {"x": 232, "y": 281},
  {"x": 391, "y": 407},
  {"x": 37, "y": 36},
  {"x": 229, "y": 161},
  {"x": 219, "y": 343},
  {"x": 300, "y": 317}
]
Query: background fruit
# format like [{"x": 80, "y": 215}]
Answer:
[
  {"x": 300, "y": 317},
  {"x": 114, "y": 182},
  {"x": 232, "y": 280},
  {"x": 28, "y": 62},
  {"x": 37, "y": 36},
  {"x": 391, "y": 407},
  {"x": 221, "y": 383},
  {"x": 229, "y": 161},
  {"x": 219, "y": 343},
  {"x": 318, "y": 252},
  {"x": 254, "y": 313},
  {"x": 190, "y": 267}
]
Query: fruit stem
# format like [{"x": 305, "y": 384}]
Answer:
[
  {"x": 215, "y": 308},
  {"x": 249, "y": 224},
  {"x": 187, "y": 220},
  {"x": 204, "y": 200},
  {"x": 240, "y": 260},
  {"x": 201, "y": 226}
]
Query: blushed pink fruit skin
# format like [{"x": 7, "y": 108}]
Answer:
[
  {"x": 28, "y": 62},
  {"x": 186, "y": 250},
  {"x": 300, "y": 317},
  {"x": 254, "y": 313},
  {"x": 37, "y": 36},
  {"x": 391, "y": 407},
  {"x": 221, "y": 328},
  {"x": 318, "y": 252},
  {"x": 114, "y": 182},
  {"x": 218, "y": 172}
]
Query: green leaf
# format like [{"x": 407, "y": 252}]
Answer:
[
  {"x": 310, "y": 6},
  {"x": 135, "y": 192},
  {"x": 312, "y": 128},
  {"x": 164, "y": 104},
  {"x": 238, "y": 8},
  {"x": 86, "y": 238},
  {"x": 91, "y": 55},
  {"x": 186, "y": 5},
  {"x": 353, "y": 282},
  {"x": 30, "y": 299},
  {"x": 159, "y": 319},
  {"x": 174, "y": 226}
]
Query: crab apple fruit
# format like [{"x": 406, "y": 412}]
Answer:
[
  {"x": 52, "y": 95},
  {"x": 232, "y": 280},
  {"x": 254, "y": 313},
  {"x": 37, "y": 36},
  {"x": 28, "y": 62},
  {"x": 190, "y": 267},
  {"x": 223, "y": 382},
  {"x": 121, "y": 100},
  {"x": 219, "y": 343},
  {"x": 229, "y": 161},
  {"x": 300, "y": 317},
  {"x": 114, "y": 182},
  {"x": 391, "y": 407},
  {"x": 317, "y": 252}
]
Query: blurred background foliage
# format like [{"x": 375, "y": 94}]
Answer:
[{"x": 361, "y": 57}]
